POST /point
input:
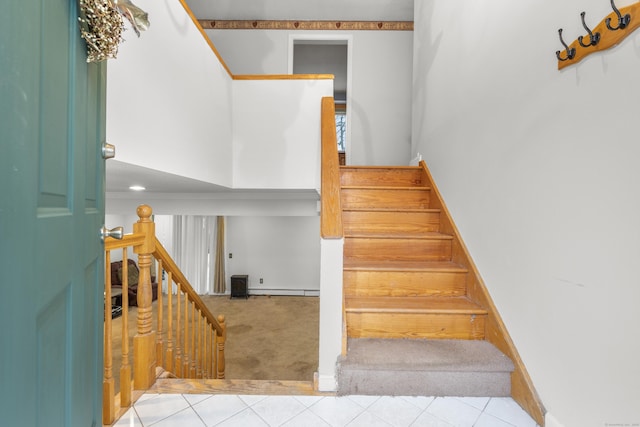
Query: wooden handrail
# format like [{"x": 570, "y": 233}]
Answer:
[
  {"x": 197, "y": 350},
  {"x": 127, "y": 240},
  {"x": 330, "y": 207},
  {"x": 171, "y": 267}
]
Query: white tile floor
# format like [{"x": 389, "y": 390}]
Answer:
[{"x": 197, "y": 410}]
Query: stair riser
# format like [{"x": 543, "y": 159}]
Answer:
[
  {"x": 362, "y": 198},
  {"x": 415, "y": 325},
  {"x": 390, "y": 222},
  {"x": 366, "y": 249},
  {"x": 404, "y": 283},
  {"x": 424, "y": 383},
  {"x": 381, "y": 177}
]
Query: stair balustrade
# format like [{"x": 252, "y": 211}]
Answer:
[{"x": 177, "y": 337}]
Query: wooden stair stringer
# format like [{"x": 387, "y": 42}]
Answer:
[{"x": 522, "y": 388}]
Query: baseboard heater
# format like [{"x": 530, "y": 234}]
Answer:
[{"x": 285, "y": 292}]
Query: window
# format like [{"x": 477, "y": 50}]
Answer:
[{"x": 341, "y": 125}]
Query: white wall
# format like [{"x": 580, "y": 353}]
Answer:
[
  {"x": 284, "y": 251},
  {"x": 169, "y": 99},
  {"x": 381, "y": 92},
  {"x": 276, "y": 133},
  {"x": 258, "y": 203},
  {"x": 172, "y": 107},
  {"x": 539, "y": 169}
]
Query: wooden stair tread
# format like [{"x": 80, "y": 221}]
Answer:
[
  {"x": 389, "y": 167},
  {"x": 395, "y": 265},
  {"x": 384, "y": 187},
  {"x": 427, "y": 235},
  {"x": 426, "y": 305},
  {"x": 391, "y": 209}
]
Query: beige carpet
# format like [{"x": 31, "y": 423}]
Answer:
[{"x": 268, "y": 338}]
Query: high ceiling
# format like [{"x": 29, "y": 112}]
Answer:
[
  {"x": 121, "y": 175},
  {"x": 316, "y": 10}
]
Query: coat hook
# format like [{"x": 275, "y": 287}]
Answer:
[
  {"x": 570, "y": 52},
  {"x": 593, "y": 38},
  {"x": 623, "y": 21}
]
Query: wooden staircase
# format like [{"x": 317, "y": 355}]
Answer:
[
  {"x": 412, "y": 326},
  {"x": 399, "y": 277}
]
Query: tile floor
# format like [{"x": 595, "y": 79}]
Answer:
[{"x": 197, "y": 410}]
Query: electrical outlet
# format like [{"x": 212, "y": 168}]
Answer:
[
  {"x": 261, "y": 280},
  {"x": 230, "y": 255}
]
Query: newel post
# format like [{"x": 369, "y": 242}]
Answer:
[
  {"x": 220, "y": 348},
  {"x": 144, "y": 352}
]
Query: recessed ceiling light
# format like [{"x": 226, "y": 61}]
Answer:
[{"x": 137, "y": 188}]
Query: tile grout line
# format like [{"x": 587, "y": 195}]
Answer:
[
  {"x": 364, "y": 404},
  {"x": 204, "y": 423}
]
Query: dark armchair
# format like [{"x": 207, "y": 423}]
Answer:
[{"x": 133, "y": 273}]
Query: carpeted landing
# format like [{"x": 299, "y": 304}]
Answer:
[
  {"x": 268, "y": 338},
  {"x": 407, "y": 367}
]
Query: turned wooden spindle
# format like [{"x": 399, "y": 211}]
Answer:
[
  {"x": 205, "y": 347},
  {"x": 186, "y": 348},
  {"x": 159, "y": 332},
  {"x": 214, "y": 354},
  {"x": 199, "y": 347},
  {"x": 169, "y": 354},
  {"x": 178, "y": 360},
  {"x": 194, "y": 329},
  {"x": 125, "y": 367}
]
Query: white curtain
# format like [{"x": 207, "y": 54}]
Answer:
[{"x": 194, "y": 249}]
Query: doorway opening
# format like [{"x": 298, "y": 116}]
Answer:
[{"x": 320, "y": 54}]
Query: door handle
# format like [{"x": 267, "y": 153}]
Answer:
[
  {"x": 108, "y": 151},
  {"x": 116, "y": 233}
]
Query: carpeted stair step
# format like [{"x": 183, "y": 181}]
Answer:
[{"x": 403, "y": 367}]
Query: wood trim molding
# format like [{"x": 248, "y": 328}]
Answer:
[
  {"x": 283, "y": 77},
  {"x": 204, "y": 35},
  {"x": 212, "y": 24},
  {"x": 522, "y": 388}
]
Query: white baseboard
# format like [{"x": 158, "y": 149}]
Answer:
[
  {"x": 284, "y": 292},
  {"x": 327, "y": 383}
]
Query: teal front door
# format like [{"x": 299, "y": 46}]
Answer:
[{"x": 52, "y": 116}]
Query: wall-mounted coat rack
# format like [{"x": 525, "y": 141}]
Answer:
[{"x": 608, "y": 33}]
